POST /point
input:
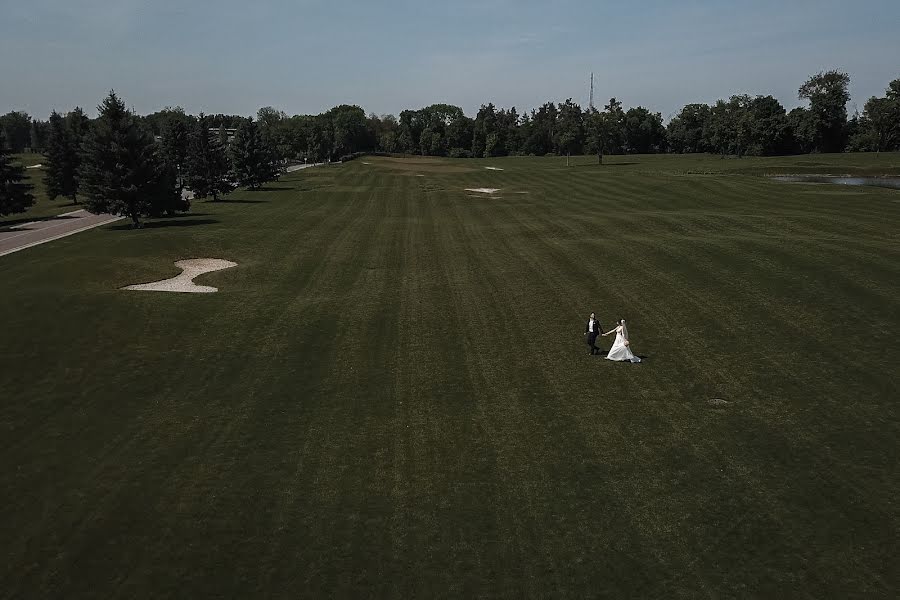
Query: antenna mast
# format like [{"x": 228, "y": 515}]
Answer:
[{"x": 591, "y": 101}]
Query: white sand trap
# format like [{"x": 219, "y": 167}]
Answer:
[
  {"x": 190, "y": 268},
  {"x": 37, "y": 166},
  {"x": 493, "y": 168},
  {"x": 365, "y": 163},
  {"x": 483, "y": 190}
]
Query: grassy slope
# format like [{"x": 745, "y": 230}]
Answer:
[{"x": 391, "y": 394}]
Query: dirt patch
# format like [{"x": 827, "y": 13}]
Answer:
[{"x": 184, "y": 282}]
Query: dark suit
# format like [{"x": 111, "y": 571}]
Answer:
[{"x": 592, "y": 335}]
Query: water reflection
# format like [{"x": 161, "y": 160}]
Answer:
[{"x": 887, "y": 182}]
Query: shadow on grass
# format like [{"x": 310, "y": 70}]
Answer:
[
  {"x": 172, "y": 222},
  {"x": 6, "y": 225},
  {"x": 236, "y": 201},
  {"x": 273, "y": 188}
]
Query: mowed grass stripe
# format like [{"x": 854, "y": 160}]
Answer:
[
  {"x": 603, "y": 504},
  {"x": 391, "y": 394}
]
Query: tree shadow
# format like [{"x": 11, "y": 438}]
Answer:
[
  {"x": 272, "y": 188},
  {"x": 236, "y": 201},
  {"x": 5, "y": 225},
  {"x": 176, "y": 222},
  {"x": 183, "y": 215}
]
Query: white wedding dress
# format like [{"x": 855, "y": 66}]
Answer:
[{"x": 619, "y": 350}]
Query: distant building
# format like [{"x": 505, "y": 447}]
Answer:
[{"x": 229, "y": 133}]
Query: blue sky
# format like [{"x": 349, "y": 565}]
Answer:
[{"x": 308, "y": 55}]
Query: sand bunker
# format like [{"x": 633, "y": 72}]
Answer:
[
  {"x": 37, "y": 166},
  {"x": 483, "y": 190},
  {"x": 493, "y": 168},
  {"x": 192, "y": 267}
]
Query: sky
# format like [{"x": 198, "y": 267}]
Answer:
[{"x": 305, "y": 56}]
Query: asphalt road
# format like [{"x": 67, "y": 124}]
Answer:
[{"x": 27, "y": 235}]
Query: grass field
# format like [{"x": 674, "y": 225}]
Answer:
[{"x": 391, "y": 395}]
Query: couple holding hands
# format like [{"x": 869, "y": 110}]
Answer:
[{"x": 621, "y": 348}]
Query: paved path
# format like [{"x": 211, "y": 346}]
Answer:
[{"x": 19, "y": 237}]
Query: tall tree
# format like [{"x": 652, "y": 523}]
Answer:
[
  {"x": 803, "y": 125},
  {"x": 768, "y": 127},
  {"x": 121, "y": 170},
  {"x": 880, "y": 122},
  {"x": 570, "y": 129},
  {"x": 15, "y": 196},
  {"x": 616, "y": 117},
  {"x": 685, "y": 130},
  {"x": 62, "y": 161},
  {"x": 250, "y": 160},
  {"x": 38, "y": 135},
  {"x": 16, "y": 126},
  {"x": 644, "y": 131},
  {"x": 828, "y": 96},
  {"x": 174, "y": 142},
  {"x": 223, "y": 135},
  {"x": 78, "y": 124},
  {"x": 348, "y": 129},
  {"x": 596, "y": 128},
  {"x": 207, "y": 163},
  {"x": 272, "y": 130}
]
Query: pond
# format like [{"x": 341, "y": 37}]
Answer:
[{"x": 887, "y": 182}]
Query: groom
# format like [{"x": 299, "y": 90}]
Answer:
[{"x": 591, "y": 329}]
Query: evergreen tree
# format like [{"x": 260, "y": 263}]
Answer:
[
  {"x": 77, "y": 123},
  {"x": 61, "y": 165},
  {"x": 38, "y": 136},
  {"x": 16, "y": 127},
  {"x": 15, "y": 196},
  {"x": 207, "y": 163},
  {"x": 174, "y": 144},
  {"x": 121, "y": 170},
  {"x": 250, "y": 161},
  {"x": 223, "y": 136}
]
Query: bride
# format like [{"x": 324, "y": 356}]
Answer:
[{"x": 621, "y": 348}]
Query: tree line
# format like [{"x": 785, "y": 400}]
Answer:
[
  {"x": 117, "y": 164},
  {"x": 210, "y": 154}
]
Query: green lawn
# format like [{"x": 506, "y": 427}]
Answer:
[{"x": 391, "y": 396}]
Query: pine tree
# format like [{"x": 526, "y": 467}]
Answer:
[
  {"x": 121, "y": 170},
  {"x": 61, "y": 166},
  {"x": 15, "y": 196},
  {"x": 207, "y": 163},
  {"x": 250, "y": 161},
  {"x": 223, "y": 136},
  {"x": 174, "y": 144}
]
